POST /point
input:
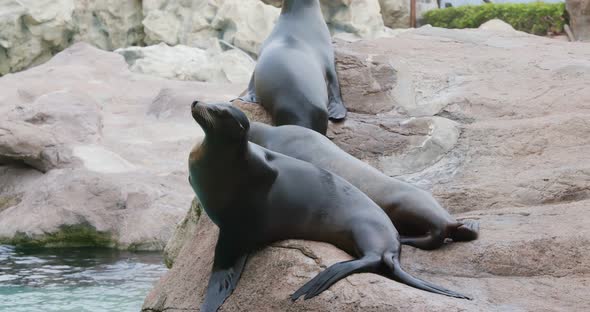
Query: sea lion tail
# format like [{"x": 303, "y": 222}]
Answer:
[{"x": 399, "y": 275}]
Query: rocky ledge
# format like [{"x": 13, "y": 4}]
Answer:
[
  {"x": 95, "y": 154},
  {"x": 496, "y": 124}
]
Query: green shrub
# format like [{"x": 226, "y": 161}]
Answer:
[{"x": 536, "y": 18}]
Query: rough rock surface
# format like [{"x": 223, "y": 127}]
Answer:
[
  {"x": 186, "y": 63},
  {"x": 242, "y": 23},
  {"x": 579, "y": 13},
  {"x": 246, "y": 23},
  {"x": 32, "y": 31},
  {"x": 86, "y": 158},
  {"x": 356, "y": 18},
  {"x": 520, "y": 166},
  {"x": 396, "y": 13}
]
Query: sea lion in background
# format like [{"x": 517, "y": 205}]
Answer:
[
  {"x": 295, "y": 77},
  {"x": 256, "y": 197},
  {"x": 418, "y": 217}
]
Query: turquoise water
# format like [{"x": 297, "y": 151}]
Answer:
[{"x": 76, "y": 280}]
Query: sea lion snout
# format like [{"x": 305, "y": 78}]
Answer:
[{"x": 201, "y": 114}]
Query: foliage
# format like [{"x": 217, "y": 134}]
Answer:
[{"x": 536, "y": 18}]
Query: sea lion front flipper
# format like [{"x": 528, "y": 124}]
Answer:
[
  {"x": 227, "y": 268},
  {"x": 250, "y": 95},
  {"x": 336, "y": 109}
]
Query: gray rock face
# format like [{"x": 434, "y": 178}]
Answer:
[
  {"x": 579, "y": 13},
  {"x": 242, "y": 23},
  {"x": 519, "y": 166},
  {"x": 187, "y": 63},
  {"x": 88, "y": 155},
  {"x": 396, "y": 13},
  {"x": 32, "y": 31}
]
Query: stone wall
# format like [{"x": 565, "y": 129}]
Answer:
[{"x": 34, "y": 30}]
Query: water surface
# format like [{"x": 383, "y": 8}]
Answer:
[{"x": 76, "y": 280}]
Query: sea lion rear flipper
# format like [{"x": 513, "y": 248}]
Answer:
[
  {"x": 467, "y": 231},
  {"x": 398, "y": 274},
  {"x": 334, "y": 273},
  {"x": 227, "y": 268},
  {"x": 250, "y": 94},
  {"x": 336, "y": 109}
]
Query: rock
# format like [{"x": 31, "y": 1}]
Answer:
[
  {"x": 21, "y": 142},
  {"x": 358, "y": 17},
  {"x": 109, "y": 24},
  {"x": 496, "y": 25},
  {"x": 507, "y": 143},
  {"x": 184, "y": 231},
  {"x": 354, "y": 18},
  {"x": 246, "y": 24},
  {"x": 85, "y": 159},
  {"x": 579, "y": 14},
  {"x": 242, "y": 23},
  {"x": 186, "y": 63},
  {"x": 32, "y": 31},
  {"x": 396, "y": 13}
]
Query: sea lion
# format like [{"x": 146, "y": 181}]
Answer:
[
  {"x": 295, "y": 77},
  {"x": 418, "y": 217},
  {"x": 255, "y": 197}
]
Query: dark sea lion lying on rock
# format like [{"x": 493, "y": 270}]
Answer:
[
  {"x": 418, "y": 217},
  {"x": 295, "y": 77},
  {"x": 256, "y": 196}
]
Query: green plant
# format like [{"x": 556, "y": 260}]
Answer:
[{"x": 536, "y": 18}]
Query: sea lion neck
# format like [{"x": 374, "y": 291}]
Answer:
[
  {"x": 220, "y": 147},
  {"x": 290, "y": 6}
]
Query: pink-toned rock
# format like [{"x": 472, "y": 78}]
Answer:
[
  {"x": 519, "y": 166},
  {"x": 83, "y": 147}
]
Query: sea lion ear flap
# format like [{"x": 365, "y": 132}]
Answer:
[{"x": 241, "y": 118}]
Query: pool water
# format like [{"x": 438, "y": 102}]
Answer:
[{"x": 76, "y": 279}]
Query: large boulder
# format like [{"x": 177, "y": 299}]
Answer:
[
  {"x": 84, "y": 159},
  {"x": 187, "y": 63},
  {"x": 519, "y": 165},
  {"x": 245, "y": 24},
  {"x": 32, "y": 31},
  {"x": 396, "y": 13},
  {"x": 108, "y": 24},
  {"x": 579, "y": 13},
  {"x": 242, "y": 23},
  {"x": 361, "y": 18}
]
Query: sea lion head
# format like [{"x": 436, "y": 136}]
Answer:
[{"x": 221, "y": 120}]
